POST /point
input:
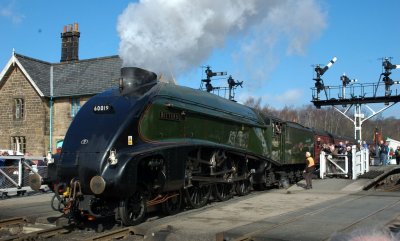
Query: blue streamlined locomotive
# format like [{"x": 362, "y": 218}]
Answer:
[{"x": 149, "y": 143}]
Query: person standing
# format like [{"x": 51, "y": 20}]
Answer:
[
  {"x": 365, "y": 145},
  {"x": 383, "y": 153},
  {"x": 308, "y": 171},
  {"x": 397, "y": 155},
  {"x": 349, "y": 155}
]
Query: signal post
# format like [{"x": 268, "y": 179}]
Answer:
[{"x": 357, "y": 94}]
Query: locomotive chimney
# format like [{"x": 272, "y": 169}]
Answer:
[
  {"x": 70, "y": 43},
  {"x": 136, "y": 80}
]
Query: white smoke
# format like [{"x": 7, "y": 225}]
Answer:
[{"x": 174, "y": 36}]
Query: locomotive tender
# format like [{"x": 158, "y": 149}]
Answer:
[{"x": 149, "y": 143}]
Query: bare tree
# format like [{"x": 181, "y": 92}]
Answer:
[{"x": 330, "y": 120}]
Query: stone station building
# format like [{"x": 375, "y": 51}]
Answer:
[{"x": 40, "y": 99}]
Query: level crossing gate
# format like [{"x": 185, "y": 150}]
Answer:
[
  {"x": 342, "y": 165},
  {"x": 15, "y": 172}
]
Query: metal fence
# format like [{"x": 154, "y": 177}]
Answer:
[{"x": 15, "y": 172}]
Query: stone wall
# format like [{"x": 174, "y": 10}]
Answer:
[
  {"x": 35, "y": 125},
  {"x": 62, "y": 117},
  {"x": 32, "y": 125}
]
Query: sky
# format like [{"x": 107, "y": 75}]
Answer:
[{"x": 271, "y": 45}]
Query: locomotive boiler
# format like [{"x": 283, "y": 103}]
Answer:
[{"x": 147, "y": 143}]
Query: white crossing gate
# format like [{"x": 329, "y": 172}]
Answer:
[{"x": 348, "y": 166}]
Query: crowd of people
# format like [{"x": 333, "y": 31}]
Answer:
[
  {"x": 7, "y": 158},
  {"x": 340, "y": 149},
  {"x": 381, "y": 154},
  {"x": 385, "y": 153}
]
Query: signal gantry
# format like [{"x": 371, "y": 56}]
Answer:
[{"x": 359, "y": 94}]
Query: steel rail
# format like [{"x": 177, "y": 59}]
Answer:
[
  {"x": 42, "y": 234},
  {"x": 12, "y": 221},
  {"x": 117, "y": 234}
]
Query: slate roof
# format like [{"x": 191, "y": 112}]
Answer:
[
  {"x": 75, "y": 78},
  {"x": 39, "y": 72}
]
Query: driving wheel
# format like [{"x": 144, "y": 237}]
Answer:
[
  {"x": 197, "y": 195},
  {"x": 132, "y": 210}
]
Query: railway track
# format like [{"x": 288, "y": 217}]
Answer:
[
  {"x": 41, "y": 235},
  {"x": 120, "y": 233},
  {"x": 12, "y": 226},
  {"x": 16, "y": 229},
  {"x": 20, "y": 229},
  {"x": 155, "y": 224},
  {"x": 259, "y": 233},
  {"x": 132, "y": 233},
  {"x": 12, "y": 222}
]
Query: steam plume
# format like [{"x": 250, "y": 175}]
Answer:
[{"x": 173, "y": 36}]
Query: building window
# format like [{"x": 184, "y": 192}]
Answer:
[
  {"x": 18, "y": 143},
  {"x": 19, "y": 108},
  {"x": 75, "y": 106}
]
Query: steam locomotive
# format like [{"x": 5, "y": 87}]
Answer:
[{"x": 148, "y": 143}]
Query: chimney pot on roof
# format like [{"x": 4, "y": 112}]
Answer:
[{"x": 70, "y": 43}]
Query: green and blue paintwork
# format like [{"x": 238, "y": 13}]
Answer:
[{"x": 180, "y": 114}]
